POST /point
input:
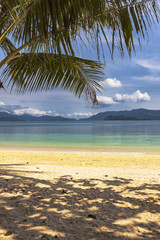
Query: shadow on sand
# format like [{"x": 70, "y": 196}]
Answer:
[{"x": 72, "y": 209}]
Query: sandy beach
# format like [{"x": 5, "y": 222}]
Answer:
[{"x": 76, "y": 195}]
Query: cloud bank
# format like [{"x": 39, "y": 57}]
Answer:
[
  {"x": 134, "y": 97},
  {"x": 148, "y": 64},
  {"x": 137, "y": 96},
  {"x": 105, "y": 100},
  {"x": 18, "y": 110},
  {"x": 77, "y": 114},
  {"x": 147, "y": 78}
]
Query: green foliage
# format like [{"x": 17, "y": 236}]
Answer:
[
  {"x": 44, "y": 71},
  {"x": 7, "y": 46},
  {"x": 49, "y": 32}
]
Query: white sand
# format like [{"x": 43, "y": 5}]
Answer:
[{"x": 82, "y": 196}]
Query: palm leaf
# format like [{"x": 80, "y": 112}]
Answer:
[
  {"x": 7, "y": 46},
  {"x": 49, "y": 30},
  {"x": 43, "y": 71},
  {"x": 62, "y": 22}
]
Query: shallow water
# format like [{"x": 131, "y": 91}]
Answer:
[{"x": 95, "y": 135}]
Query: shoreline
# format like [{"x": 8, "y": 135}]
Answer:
[{"x": 78, "y": 150}]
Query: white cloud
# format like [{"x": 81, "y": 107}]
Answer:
[
  {"x": 134, "y": 97},
  {"x": 112, "y": 82},
  {"x": 147, "y": 78},
  {"x": 2, "y": 104},
  {"x": 76, "y": 114},
  {"x": 148, "y": 64},
  {"x": 18, "y": 110},
  {"x": 31, "y": 111},
  {"x": 105, "y": 100}
]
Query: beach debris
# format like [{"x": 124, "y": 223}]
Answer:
[
  {"x": 106, "y": 175},
  {"x": 25, "y": 220},
  {"x": 8, "y": 233},
  {"x": 13, "y": 198},
  {"x": 45, "y": 237},
  {"x": 23, "y": 190},
  {"x": 40, "y": 197},
  {"x": 44, "y": 221},
  {"x": 92, "y": 216}
]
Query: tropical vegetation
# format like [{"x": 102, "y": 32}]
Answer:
[{"x": 41, "y": 39}]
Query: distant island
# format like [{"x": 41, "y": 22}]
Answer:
[
  {"x": 134, "y": 115},
  {"x": 119, "y": 117},
  {"x": 4, "y": 116}
]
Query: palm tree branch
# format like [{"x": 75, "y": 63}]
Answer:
[
  {"x": 68, "y": 19},
  {"x": 17, "y": 20},
  {"x": 43, "y": 71},
  {"x": 15, "y": 53},
  {"x": 7, "y": 46}
]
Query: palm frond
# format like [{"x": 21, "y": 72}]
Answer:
[
  {"x": 7, "y": 46},
  {"x": 43, "y": 71},
  {"x": 46, "y": 33},
  {"x": 61, "y": 22}
]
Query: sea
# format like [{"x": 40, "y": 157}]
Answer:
[{"x": 103, "y": 136}]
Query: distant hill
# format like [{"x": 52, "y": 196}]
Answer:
[
  {"x": 135, "y": 114},
  {"x": 119, "y": 117},
  {"x": 4, "y": 116}
]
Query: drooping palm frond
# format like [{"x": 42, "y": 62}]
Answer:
[
  {"x": 62, "y": 22},
  {"x": 48, "y": 30},
  {"x": 43, "y": 71}
]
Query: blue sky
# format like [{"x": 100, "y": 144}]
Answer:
[{"x": 128, "y": 84}]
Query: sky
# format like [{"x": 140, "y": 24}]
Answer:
[{"x": 128, "y": 84}]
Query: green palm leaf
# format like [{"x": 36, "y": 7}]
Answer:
[
  {"x": 46, "y": 33},
  {"x": 42, "y": 71},
  {"x": 7, "y": 46},
  {"x": 62, "y": 22}
]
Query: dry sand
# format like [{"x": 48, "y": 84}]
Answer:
[{"x": 79, "y": 196}]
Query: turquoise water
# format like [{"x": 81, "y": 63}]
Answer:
[{"x": 97, "y": 135}]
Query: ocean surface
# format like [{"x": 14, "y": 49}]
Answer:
[{"x": 95, "y": 136}]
